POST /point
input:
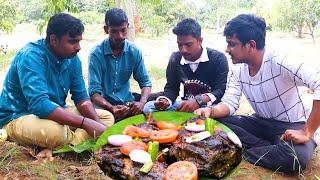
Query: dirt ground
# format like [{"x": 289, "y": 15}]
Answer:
[{"x": 17, "y": 162}]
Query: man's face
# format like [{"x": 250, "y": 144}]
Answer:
[
  {"x": 117, "y": 34},
  {"x": 237, "y": 51},
  {"x": 189, "y": 47},
  {"x": 66, "y": 46}
]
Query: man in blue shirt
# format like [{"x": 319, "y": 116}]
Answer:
[
  {"x": 111, "y": 64},
  {"x": 32, "y": 102}
]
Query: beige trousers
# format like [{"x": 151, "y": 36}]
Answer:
[{"x": 31, "y": 130}]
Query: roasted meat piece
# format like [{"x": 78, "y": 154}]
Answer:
[
  {"x": 118, "y": 166},
  {"x": 215, "y": 156}
]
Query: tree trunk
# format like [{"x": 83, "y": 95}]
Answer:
[{"x": 128, "y": 6}]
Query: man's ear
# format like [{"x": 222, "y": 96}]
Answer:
[
  {"x": 106, "y": 27},
  {"x": 252, "y": 44},
  {"x": 53, "y": 40},
  {"x": 200, "y": 39}
]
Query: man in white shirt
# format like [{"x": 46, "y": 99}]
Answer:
[
  {"x": 279, "y": 136},
  {"x": 202, "y": 71}
]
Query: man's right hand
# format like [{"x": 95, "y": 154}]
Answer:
[
  {"x": 162, "y": 104},
  {"x": 206, "y": 112},
  {"x": 120, "y": 111}
]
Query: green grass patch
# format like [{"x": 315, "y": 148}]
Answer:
[{"x": 5, "y": 59}]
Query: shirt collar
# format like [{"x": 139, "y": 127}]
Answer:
[
  {"x": 107, "y": 49},
  {"x": 203, "y": 58}
]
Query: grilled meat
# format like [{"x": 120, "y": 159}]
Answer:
[
  {"x": 118, "y": 166},
  {"x": 215, "y": 156}
]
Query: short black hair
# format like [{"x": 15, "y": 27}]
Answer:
[
  {"x": 61, "y": 24},
  {"x": 115, "y": 17},
  {"x": 187, "y": 27},
  {"x": 247, "y": 27}
]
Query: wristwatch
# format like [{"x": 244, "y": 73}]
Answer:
[{"x": 199, "y": 100}]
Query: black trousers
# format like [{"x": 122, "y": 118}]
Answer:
[{"x": 260, "y": 138}]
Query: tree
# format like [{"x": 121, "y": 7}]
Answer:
[
  {"x": 55, "y": 6},
  {"x": 7, "y": 16},
  {"x": 129, "y": 7}
]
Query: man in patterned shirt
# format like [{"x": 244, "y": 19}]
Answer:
[{"x": 279, "y": 136}]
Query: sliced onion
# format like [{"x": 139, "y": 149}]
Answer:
[
  {"x": 140, "y": 156},
  {"x": 195, "y": 127},
  {"x": 119, "y": 139},
  {"x": 198, "y": 137},
  {"x": 234, "y": 138}
]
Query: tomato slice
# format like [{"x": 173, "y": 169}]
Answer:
[
  {"x": 167, "y": 125},
  {"x": 132, "y": 145},
  {"x": 164, "y": 136},
  {"x": 134, "y": 131},
  {"x": 181, "y": 170}
]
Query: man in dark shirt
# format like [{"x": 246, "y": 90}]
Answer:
[{"x": 202, "y": 71}]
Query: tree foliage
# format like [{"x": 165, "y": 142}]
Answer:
[{"x": 7, "y": 16}]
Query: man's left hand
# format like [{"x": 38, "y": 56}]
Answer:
[
  {"x": 188, "y": 106},
  {"x": 136, "y": 107},
  {"x": 296, "y": 136}
]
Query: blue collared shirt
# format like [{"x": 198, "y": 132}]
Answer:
[
  {"x": 37, "y": 83},
  {"x": 109, "y": 75}
]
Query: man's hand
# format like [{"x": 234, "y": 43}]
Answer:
[
  {"x": 136, "y": 107},
  {"x": 206, "y": 112},
  {"x": 93, "y": 127},
  {"x": 297, "y": 136},
  {"x": 162, "y": 104},
  {"x": 120, "y": 111},
  {"x": 188, "y": 106}
]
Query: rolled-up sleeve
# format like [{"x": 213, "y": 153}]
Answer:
[
  {"x": 77, "y": 86},
  {"x": 233, "y": 92},
  {"x": 94, "y": 75},
  {"x": 140, "y": 72},
  {"x": 31, "y": 73}
]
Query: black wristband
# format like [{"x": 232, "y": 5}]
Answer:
[{"x": 82, "y": 122}]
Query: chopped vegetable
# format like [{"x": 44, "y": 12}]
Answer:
[
  {"x": 119, "y": 139},
  {"x": 153, "y": 148},
  {"x": 234, "y": 138},
  {"x": 146, "y": 167},
  {"x": 198, "y": 137},
  {"x": 209, "y": 125},
  {"x": 140, "y": 156}
]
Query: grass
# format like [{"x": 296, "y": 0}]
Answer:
[{"x": 5, "y": 59}]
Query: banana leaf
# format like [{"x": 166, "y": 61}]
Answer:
[{"x": 174, "y": 117}]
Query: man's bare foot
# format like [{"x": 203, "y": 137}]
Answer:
[{"x": 45, "y": 154}]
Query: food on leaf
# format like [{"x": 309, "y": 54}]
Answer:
[
  {"x": 119, "y": 139},
  {"x": 209, "y": 125},
  {"x": 153, "y": 149},
  {"x": 164, "y": 136},
  {"x": 195, "y": 127},
  {"x": 133, "y": 145},
  {"x": 198, "y": 137},
  {"x": 140, "y": 156},
  {"x": 234, "y": 138},
  {"x": 134, "y": 131},
  {"x": 167, "y": 125},
  {"x": 181, "y": 170},
  {"x": 146, "y": 167}
]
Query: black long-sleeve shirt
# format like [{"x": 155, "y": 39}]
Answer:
[{"x": 213, "y": 73}]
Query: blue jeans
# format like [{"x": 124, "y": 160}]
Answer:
[{"x": 149, "y": 107}]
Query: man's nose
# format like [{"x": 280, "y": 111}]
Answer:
[
  {"x": 78, "y": 47},
  {"x": 227, "y": 50},
  {"x": 183, "y": 49}
]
